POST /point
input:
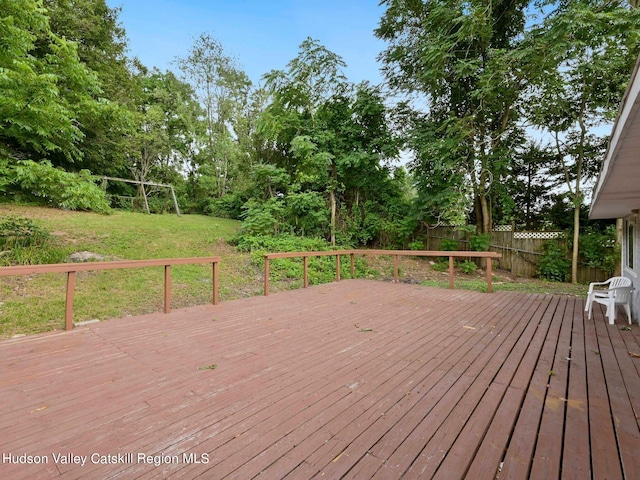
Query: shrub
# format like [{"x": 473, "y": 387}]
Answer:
[
  {"x": 599, "y": 249},
  {"x": 441, "y": 265},
  {"x": 70, "y": 191},
  {"x": 553, "y": 264},
  {"x": 449, "y": 245},
  {"x": 468, "y": 267},
  {"x": 22, "y": 242},
  {"x": 480, "y": 243}
]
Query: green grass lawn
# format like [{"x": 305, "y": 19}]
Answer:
[{"x": 35, "y": 303}]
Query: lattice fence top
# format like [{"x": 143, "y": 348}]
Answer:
[
  {"x": 503, "y": 228},
  {"x": 538, "y": 235}
]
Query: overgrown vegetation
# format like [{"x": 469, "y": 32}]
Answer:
[
  {"x": 23, "y": 242},
  {"x": 553, "y": 264}
]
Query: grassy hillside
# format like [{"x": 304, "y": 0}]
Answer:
[
  {"x": 32, "y": 304},
  {"x": 36, "y": 303}
]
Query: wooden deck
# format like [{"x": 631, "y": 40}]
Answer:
[{"x": 357, "y": 379}]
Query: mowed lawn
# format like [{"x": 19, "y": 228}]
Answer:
[{"x": 35, "y": 303}]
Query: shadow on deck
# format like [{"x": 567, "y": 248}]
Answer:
[{"x": 359, "y": 379}]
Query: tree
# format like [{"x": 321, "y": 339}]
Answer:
[
  {"x": 223, "y": 90},
  {"x": 43, "y": 86},
  {"x": 589, "y": 49},
  {"x": 461, "y": 60},
  {"x": 331, "y": 137},
  {"x": 101, "y": 46}
]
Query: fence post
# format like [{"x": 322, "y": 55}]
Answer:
[
  {"x": 167, "y": 288},
  {"x": 451, "y": 271},
  {"x": 215, "y": 283},
  {"x": 68, "y": 310},
  {"x": 266, "y": 275},
  {"x": 337, "y": 267},
  {"x": 305, "y": 265},
  {"x": 395, "y": 269},
  {"x": 353, "y": 265},
  {"x": 489, "y": 275}
]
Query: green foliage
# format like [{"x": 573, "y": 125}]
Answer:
[
  {"x": 449, "y": 245},
  {"x": 59, "y": 188},
  {"x": 22, "y": 242},
  {"x": 417, "y": 245},
  {"x": 441, "y": 265},
  {"x": 468, "y": 267},
  {"x": 227, "y": 206},
  {"x": 262, "y": 218},
  {"x": 480, "y": 243},
  {"x": 321, "y": 269},
  {"x": 553, "y": 264},
  {"x": 21, "y": 232},
  {"x": 599, "y": 249}
]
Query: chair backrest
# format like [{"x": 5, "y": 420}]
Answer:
[
  {"x": 615, "y": 282},
  {"x": 622, "y": 294}
]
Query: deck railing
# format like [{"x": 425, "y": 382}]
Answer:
[
  {"x": 395, "y": 253},
  {"x": 71, "y": 268}
]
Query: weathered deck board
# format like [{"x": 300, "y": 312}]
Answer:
[{"x": 356, "y": 379}]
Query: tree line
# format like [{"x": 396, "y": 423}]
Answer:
[{"x": 502, "y": 108}]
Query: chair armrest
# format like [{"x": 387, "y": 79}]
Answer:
[{"x": 593, "y": 284}]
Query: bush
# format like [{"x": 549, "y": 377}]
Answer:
[
  {"x": 441, "y": 265},
  {"x": 480, "y": 243},
  {"x": 599, "y": 249},
  {"x": 321, "y": 269},
  {"x": 468, "y": 267},
  {"x": 22, "y": 242},
  {"x": 59, "y": 188},
  {"x": 553, "y": 265},
  {"x": 449, "y": 245}
]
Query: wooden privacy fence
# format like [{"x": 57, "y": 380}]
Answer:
[
  {"x": 71, "y": 268},
  {"x": 520, "y": 251},
  {"x": 395, "y": 253}
]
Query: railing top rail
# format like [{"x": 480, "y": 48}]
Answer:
[
  {"x": 417, "y": 253},
  {"x": 86, "y": 266}
]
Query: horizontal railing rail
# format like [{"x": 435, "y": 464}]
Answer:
[
  {"x": 71, "y": 268},
  {"x": 395, "y": 253}
]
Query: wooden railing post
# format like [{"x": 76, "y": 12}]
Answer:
[
  {"x": 337, "y": 268},
  {"x": 395, "y": 269},
  {"x": 451, "y": 272},
  {"x": 489, "y": 275},
  {"x": 215, "y": 283},
  {"x": 305, "y": 268},
  {"x": 167, "y": 288},
  {"x": 353, "y": 265},
  {"x": 68, "y": 309},
  {"x": 266, "y": 275}
]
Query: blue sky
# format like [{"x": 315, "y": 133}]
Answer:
[{"x": 261, "y": 34}]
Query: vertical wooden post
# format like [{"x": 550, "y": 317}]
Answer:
[
  {"x": 450, "y": 272},
  {"x": 266, "y": 275},
  {"x": 489, "y": 275},
  {"x": 175, "y": 201},
  {"x": 353, "y": 265},
  {"x": 215, "y": 283},
  {"x": 167, "y": 288},
  {"x": 395, "y": 269},
  {"x": 305, "y": 265},
  {"x": 68, "y": 310},
  {"x": 337, "y": 268}
]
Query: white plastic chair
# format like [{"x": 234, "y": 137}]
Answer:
[{"x": 618, "y": 293}]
